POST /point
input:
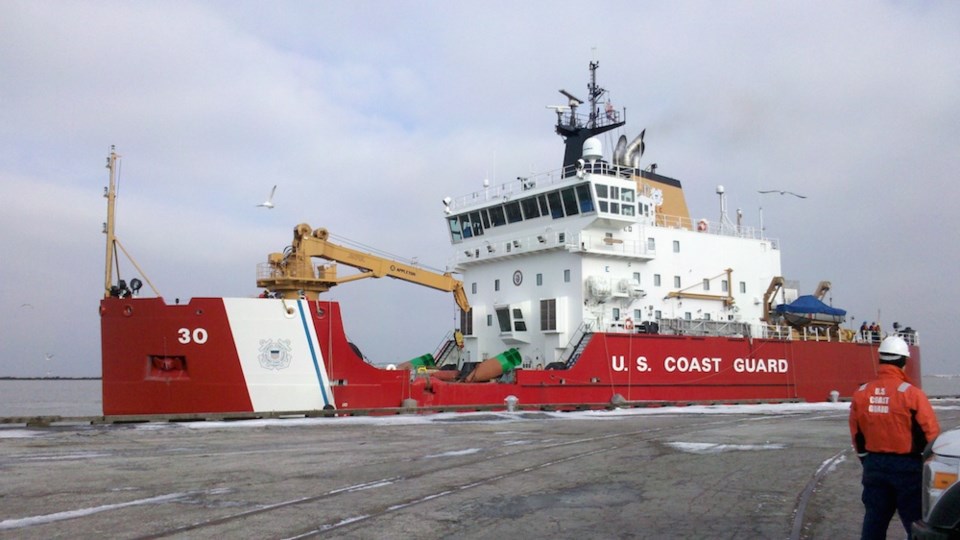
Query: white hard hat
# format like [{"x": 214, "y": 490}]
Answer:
[{"x": 893, "y": 347}]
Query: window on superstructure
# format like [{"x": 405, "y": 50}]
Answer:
[
  {"x": 539, "y": 280},
  {"x": 569, "y": 201},
  {"x": 724, "y": 286},
  {"x": 556, "y": 207},
  {"x": 466, "y": 322},
  {"x": 628, "y": 210},
  {"x": 601, "y": 191},
  {"x": 455, "y": 229},
  {"x": 566, "y": 276},
  {"x": 518, "y": 324},
  {"x": 475, "y": 223},
  {"x": 676, "y": 246},
  {"x": 497, "y": 218},
  {"x": 706, "y": 316},
  {"x": 676, "y": 281},
  {"x": 604, "y": 206},
  {"x": 636, "y": 277},
  {"x": 656, "y": 280},
  {"x": 548, "y": 314},
  {"x": 465, "y": 224},
  {"x": 503, "y": 318},
  {"x": 743, "y": 287},
  {"x": 657, "y": 315},
  {"x": 627, "y": 195},
  {"x": 651, "y": 244},
  {"x": 614, "y": 192},
  {"x": 513, "y": 212},
  {"x": 614, "y": 208},
  {"x": 616, "y": 314},
  {"x": 496, "y": 284},
  {"x": 586, "y": 201},
  {"x": 485, "y": 218},
  {"x": 473, "y": 288},
  {"x": 489, "y": 320},
  {"x": 542, "y": 202},
  {"x": 706, "y": 284},
  {"x": 637, "y": 314},
  {"x": 530, "y": 208},
  {"x": 688, "y": 316}
]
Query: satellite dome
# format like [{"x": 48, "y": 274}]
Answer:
[{"x": 592, "y": 149}]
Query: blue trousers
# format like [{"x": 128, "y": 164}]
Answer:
[{"x": 891, "y": 484}]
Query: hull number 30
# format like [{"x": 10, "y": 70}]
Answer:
[{"x": 197, "y": 335}]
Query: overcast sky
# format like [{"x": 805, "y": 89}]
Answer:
[{"x": 366, "y": 114}]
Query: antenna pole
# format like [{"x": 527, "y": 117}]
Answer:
[{"x": 111, "y": 195}]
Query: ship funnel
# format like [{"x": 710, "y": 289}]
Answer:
[
  {"x": 634, "y": 151},
  {"x": 620, "y": 152},
  {"x": 592, "y": 149}
]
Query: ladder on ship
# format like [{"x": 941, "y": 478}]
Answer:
[{"x": 581, "y": 337}]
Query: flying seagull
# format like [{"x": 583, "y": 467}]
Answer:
[
  {"x": 269, "y": 202},
  {"x": 782, "y": 192}
]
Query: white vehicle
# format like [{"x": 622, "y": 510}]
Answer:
[{"x": 941, "y": 490}]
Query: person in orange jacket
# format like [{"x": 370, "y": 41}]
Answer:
[{"x": 891, "y": 422}]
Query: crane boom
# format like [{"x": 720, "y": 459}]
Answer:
[{"x": 292, "y": 273}]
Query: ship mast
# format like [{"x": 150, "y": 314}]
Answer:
[
  {"x": 110, "y": 193},
  {"x": 574, "y": 132}
]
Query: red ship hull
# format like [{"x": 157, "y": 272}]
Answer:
[{"x": 218, "y": 355}]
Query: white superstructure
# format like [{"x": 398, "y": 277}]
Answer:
[{"x": 589, "y": 248}]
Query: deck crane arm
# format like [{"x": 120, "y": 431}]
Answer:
[
  {"x": 292, "y": 273},
  {"x": 727, "y": 299}
]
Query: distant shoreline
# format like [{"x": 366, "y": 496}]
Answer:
[{"x": 50, "y": 378}]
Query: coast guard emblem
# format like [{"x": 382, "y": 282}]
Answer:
[{"x": 275, "y": 354}]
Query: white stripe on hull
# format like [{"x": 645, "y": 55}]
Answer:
[{"x": 279, "y": 354}]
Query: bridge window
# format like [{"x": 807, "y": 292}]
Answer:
[
  {"x": 556, "y": 207},
  {"x": 513, "y": 212},
  {"x": 542, "y": 202},
  {"x": 569, "y": 201},
  {"x": 455, "y": 233},
  {"x": 475, "y": 223},
  {"x": 586, "y": 203},
  {"x": 496, "y": 216},
  {"x": 465, "y": 224},
  {"x": 530, "y": 208}
]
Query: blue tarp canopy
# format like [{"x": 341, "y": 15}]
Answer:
[{"x": 810, "y": 304}]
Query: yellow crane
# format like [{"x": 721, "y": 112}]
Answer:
[
  {"x": 292, "y": 273},
  {"x": 727, "y": 299}
]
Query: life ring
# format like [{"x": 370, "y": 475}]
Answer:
[
  {"x": 628, "y": 324},
  {"x": 702, "y": 225}
]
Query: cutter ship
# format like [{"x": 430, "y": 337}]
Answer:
[{"x": 586, "y": 286}]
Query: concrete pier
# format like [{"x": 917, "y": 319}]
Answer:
[{"x": 757, "y": 471}]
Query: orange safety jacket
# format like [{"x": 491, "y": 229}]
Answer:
[{"x": 891, "y": 416}]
